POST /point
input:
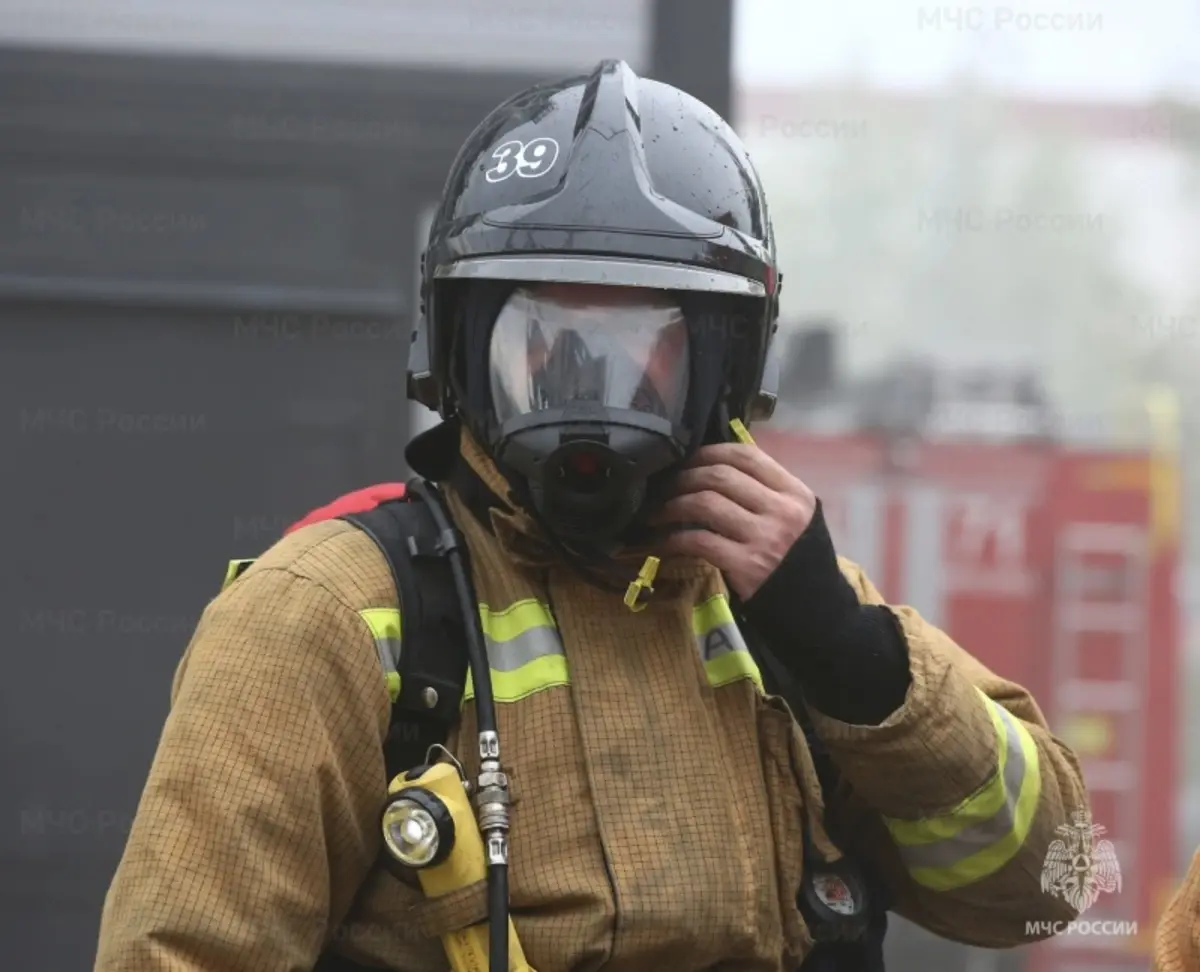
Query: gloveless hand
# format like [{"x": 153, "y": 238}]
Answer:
[{"x": 743, "y": 513}]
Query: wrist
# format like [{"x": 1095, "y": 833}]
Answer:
[{"x": 806, "y": 601}]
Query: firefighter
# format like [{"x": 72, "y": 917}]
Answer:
[
  {"x": 1177, "y": 940},
  {"x": 600, "y": 293}
]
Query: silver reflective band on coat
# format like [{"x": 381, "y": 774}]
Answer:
[
  {"x": 525, "y": 653},
  {"x": 385, "y": 624},
  {"x": 614, "y": 273},
  {"x": 985, "y": 831},
  {"x": 521, "y": 649}
]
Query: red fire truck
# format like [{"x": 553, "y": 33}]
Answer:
[{"x": 1057, "y": 568}]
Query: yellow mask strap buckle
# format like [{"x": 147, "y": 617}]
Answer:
[
  {"x": 640, "y": 589},
  {"x": 741, "y": 432}
]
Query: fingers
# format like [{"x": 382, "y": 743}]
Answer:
[
  {"x": 735, "y": 484},
  {"x": 750, "y": 460},
  {"x": 735, "y": 561},
  {"x": 724, "y": 554},
  {"x": 716, "y": 512}
]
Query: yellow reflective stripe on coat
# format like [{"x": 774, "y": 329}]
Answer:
[
  {"x": 385, "y": 627},
  {"x": 235, "y": 570},
  {"x": 524, "y": 651},
  {"x": 985, "y": 831},
  {"x": 720, "y": 644}
]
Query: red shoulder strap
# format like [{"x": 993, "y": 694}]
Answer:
[{"x": 359, "y": 501}]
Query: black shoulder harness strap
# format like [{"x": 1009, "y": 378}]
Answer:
[{"x": 433, "y": 655}]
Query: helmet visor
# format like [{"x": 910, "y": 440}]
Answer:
[{"x": 618, "y": 347}]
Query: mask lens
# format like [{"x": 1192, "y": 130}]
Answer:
[{"x": 618, "y": 347}]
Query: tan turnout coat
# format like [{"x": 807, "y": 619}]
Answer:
[{"x": 659, "y": 796}]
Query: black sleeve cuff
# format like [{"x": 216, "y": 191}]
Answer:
[{"x": 850, "y": 659}]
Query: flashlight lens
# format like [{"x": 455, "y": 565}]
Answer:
[{"x": 411, "y": 833}]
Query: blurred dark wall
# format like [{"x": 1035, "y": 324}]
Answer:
[
  {"x": 206, "y": 276},
  {"x": 694, "y": 51}
]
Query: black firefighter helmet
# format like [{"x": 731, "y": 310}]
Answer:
[{"x": 599, "y": 293}]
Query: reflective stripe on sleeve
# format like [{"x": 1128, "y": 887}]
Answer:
[
  {"x": 385, "y": 627},
  {"x": 720, "y": 644},
  {"x": 985, "y": 831},
  {"x": 525, "y": 653},
  {"x": 235, "y": 570}
]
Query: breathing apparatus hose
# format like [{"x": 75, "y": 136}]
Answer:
[{"x": 491, "y": 788}]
